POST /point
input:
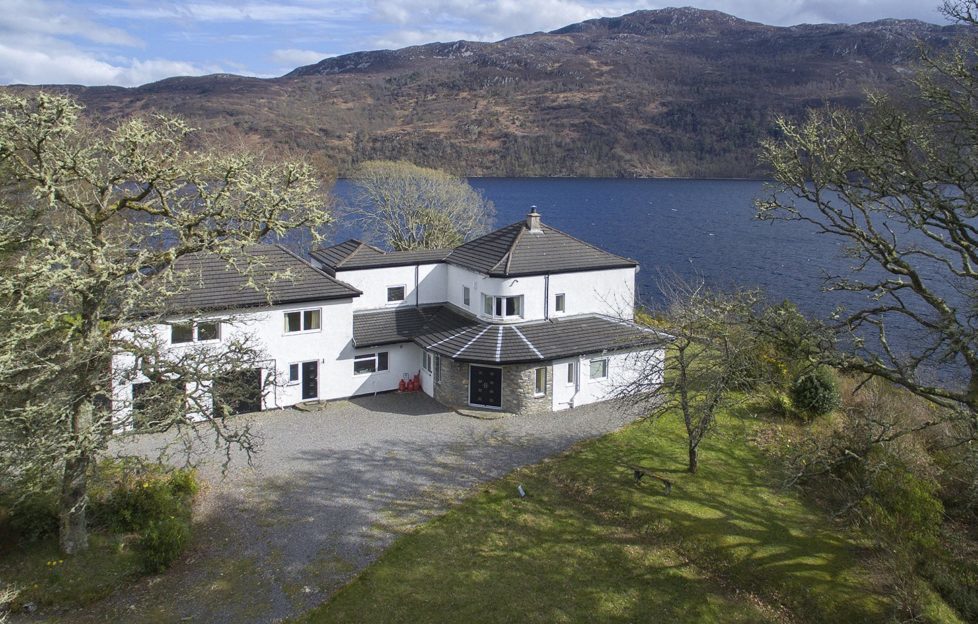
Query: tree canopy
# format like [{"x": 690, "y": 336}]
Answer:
[
  {"x": 409, "y": 207},
  {"x": 93, "y": 220},
  {"x": 898, "y": 185}
]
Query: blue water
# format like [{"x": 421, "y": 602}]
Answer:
[{"x": 687, "y": 227}]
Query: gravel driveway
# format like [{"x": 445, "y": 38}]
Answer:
[{"x": 329, "y": 491}]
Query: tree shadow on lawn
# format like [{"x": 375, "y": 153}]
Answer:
[{"x": 734, "y": 515}]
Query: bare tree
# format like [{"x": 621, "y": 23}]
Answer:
[
  {"x": 704, "y": 364},
  {"x": 898, "y": 188},
  {"x": 411, "y": 207},
  {"x": 94, "y": 222}
]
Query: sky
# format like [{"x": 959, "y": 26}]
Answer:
[{"x": 133, "y": 42}]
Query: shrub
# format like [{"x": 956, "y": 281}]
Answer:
[
  {"x": 816, "y": 393},
  {"x": 132, "y": 496},
  {"x": 161, "y": 543},
  {"x": 34, "y": 516}
]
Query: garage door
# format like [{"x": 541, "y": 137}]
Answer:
[{"x": 238, "y": 392}]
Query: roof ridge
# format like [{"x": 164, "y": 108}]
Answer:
[{"x": 512, "y": 248}]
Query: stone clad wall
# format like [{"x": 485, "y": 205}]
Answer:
[{"x": 517, "y": 391}]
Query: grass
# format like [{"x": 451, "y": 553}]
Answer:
[
  {"x": 46, "y": 577},
  {"x": 590, "y": 544}
]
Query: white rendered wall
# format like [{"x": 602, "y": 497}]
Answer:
[
  {"x": 609, "y": 292},
  {"x": 404, "y": 362},
  {"x": 330, "y": 346},
  {"x": 423, "y": 284},
  {"x": 623, "y": 367}
]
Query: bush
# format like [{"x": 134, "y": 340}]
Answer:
[
  {"x": 132, "y": 495},
  {"x": 816, "y": 393},
  {"x": 34, "y": 517},
  {"x": 161, "y": 543}
]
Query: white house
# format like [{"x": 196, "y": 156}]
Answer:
[{"x": 523, "y": 319}]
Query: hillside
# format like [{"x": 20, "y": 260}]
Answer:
[{"x": 673, "y": 92}]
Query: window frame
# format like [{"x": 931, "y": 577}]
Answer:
[
  {"x": 403, "y": 288},
  {"x": 604, "y": 365},
  {"x": 560, "y": 303},
  {"x": 499, "y": 304},
  {"x": 194, "y": 327},
  {"x": 537, "y": 390},
  {"x": 377, "y": 358},
  {"x": 297, "y": 366},
  {"x": 426, "y": 361},
  {"x": 572, "y": 373},
  {"x": 466, "y": 296},
  {"x": 302, "y": 321}
]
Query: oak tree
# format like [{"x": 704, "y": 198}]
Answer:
[{"x": 93, "y": 221}]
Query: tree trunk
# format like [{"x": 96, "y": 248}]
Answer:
[
  {"x": 73, "y": 528},
  {"x": 693, "y": 459}
]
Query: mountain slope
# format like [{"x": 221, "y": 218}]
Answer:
[{"x": 674, "y": 92}]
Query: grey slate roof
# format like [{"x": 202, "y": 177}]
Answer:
[
  {"x": 354, "y": 254},
  {"x": 443, "y": 330},
  {"x": 515, "y": 250},
  {"x": 209, "y": 282}
]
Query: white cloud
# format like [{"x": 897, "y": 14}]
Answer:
[
  {"x": 18, "y": 65},
  {"x": 231, "y": 11},
  {"x": 292, "y": 57},
  {"x": 51, "y": 18}
]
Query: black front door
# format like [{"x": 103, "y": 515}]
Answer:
[
  {"x": 310, "y": 380},
  {"x": 485, "y": 386},
  {"x": 238, "y": 392}
]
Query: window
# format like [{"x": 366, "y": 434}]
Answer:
[
  {"x": 304, "y": 320},
  {"x": 370, "y": 363},
  {"x": 208, "y": 331},
  {"x": 395, "y": 293},
  {"x": 293, "y": 373},
  {"x": 194, "y": 332},
  {"x": 559, "y": 303},
  {"x": 502, "y": 307},
  {"x": 571, "y": 377},
  {"x": 181, "y": 332},
  {"x": 599, "y": 368},
  {"x": 426, "y": 361},
  {"x": 465, "y": 296},
  {"x": 540, "y": 387}
]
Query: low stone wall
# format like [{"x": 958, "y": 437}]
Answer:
[{"x": 519, "y": 381}]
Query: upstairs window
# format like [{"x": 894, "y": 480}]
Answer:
[
  {"x": 302, "y": 320},
  {"x": 208, "y": 331},
  {"x": 466, "y": 296},
  {"x": 395, "y": 293},
  {"x": 502, "y": 307},
  {"x": 559, "y": 303},
  {"x": 181, "y": 333}
]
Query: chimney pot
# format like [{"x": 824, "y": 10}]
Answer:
[{"x": 533, "y": 220}]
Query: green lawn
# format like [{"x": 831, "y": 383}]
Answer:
[{"x": 589, "y": 544}]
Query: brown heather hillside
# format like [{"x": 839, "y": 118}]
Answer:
[{"x": 675, "y": 92}]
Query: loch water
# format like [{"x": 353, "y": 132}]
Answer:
[{"x": 687, "y": 227}]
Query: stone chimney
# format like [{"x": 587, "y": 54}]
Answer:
[{"x": 533, "y": 220}]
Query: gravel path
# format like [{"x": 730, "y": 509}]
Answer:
[{"x": 328, "y": 492}]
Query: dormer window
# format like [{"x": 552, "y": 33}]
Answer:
[{"x": 502, "y": 307}]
